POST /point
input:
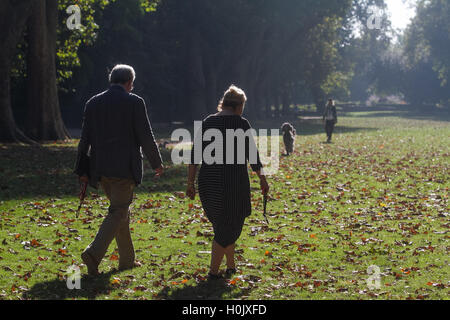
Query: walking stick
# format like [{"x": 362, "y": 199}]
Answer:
[
  {"x": 265, "y": 206},
  {"x": 83, "y": 187}
]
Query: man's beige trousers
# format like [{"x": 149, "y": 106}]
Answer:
[{"x": 117, "y": 222}]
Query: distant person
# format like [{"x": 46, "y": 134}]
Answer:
[
  {"x": 115, "y": 131},
  {"x": 330, "y": 118},
  {"x": 289, "y": 133},
  {"x": 224, "y": 189}
]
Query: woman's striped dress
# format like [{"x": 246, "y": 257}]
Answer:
[{"x": 224, "y": 189}]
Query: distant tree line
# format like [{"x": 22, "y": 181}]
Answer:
[{"x": 186, "y": 53}]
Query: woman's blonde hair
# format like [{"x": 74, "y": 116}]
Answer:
[{"x": 234, "y": 97}]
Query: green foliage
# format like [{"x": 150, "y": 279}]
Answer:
[
  {"x": 427, "y": 44},
  {"x": 149, "y": 5},
  {"x": 70, "y": 41},
  {"x": 337, "y": 85},
  {"x": 433, "y": 24}
]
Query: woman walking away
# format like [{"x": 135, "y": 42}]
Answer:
[
  {"x": 223, "y": 184},
  {"x": 330, "y": 118}
]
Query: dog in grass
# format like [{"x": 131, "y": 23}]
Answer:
[{"x": 288, "y": 137}]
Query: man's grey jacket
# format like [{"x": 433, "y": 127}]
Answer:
[{"x": 115, "y": 131}]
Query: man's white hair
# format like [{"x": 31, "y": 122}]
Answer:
[{"x": 121, "y": 74}]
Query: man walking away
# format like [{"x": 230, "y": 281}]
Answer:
[
  {"x": 115, "y": 131},
  {"x": 330, "y": 118}
]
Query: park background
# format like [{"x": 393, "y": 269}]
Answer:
[{"x": 377, "y": 196}]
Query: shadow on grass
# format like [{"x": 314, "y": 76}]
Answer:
[
  {"x": 57, "y": 289},
  {"x": 205, "y": 290},
  {"x": 400, "y": 111},
  {"x": 307, "y": 129}
]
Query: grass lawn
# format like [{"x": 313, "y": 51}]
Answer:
[{"x": 376, "y": 196}]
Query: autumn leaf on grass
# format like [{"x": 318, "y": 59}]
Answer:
[
  {"x": 113, "y": 257},
  {"x": 397, "y": 275},
  {"x": 405, "y": 271},
  {"x": 438, "y": 285},
  {"x": 62, "y": 252},
  {"x": 34, "y": 243},
  {"x": 317, "y": 283},
  {"x": 140, "y": 288},
  {"x": 26, "y": 276},
  {"x": 148, "y": 204},
  {"x": 178, "y": 194}
]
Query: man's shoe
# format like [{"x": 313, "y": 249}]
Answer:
[
  {"x": 230, "y": 272},
  {"x": 212, "y": 276},
  {"x": 90, "y": 264},
  {"x": 135, "y": 264}
]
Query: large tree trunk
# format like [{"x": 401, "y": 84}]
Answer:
[
  {"x": 13, "y": 17},
  {"x": 44, "y": 121}
]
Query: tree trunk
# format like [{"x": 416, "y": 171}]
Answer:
[
  {"x": 13, "y": 17},
  {"x": 44, "y": 121}
]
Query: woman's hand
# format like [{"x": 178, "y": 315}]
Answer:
[
  {"x": 264, "y": 185},
  {"x": 190, "y": 191}
]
